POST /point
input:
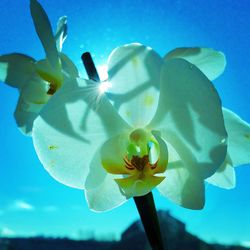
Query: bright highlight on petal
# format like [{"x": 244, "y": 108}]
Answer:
[{"x": 104, "y": 87}]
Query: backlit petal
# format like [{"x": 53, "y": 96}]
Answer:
[
  {"x": 70, "y": 128},
  {"x": 25, "y": 114},
  {"x": 189, "y": 116},
  {"x": 113, "y": 153},
  {"x": 180, "y": 185},
  {"x": 102, "y": 192},
  {"x": 162, "y": 162},
  {"x": 35, "y": 91},
  {"x": 238, "y": 138},
  {"x": 44, "y": 31},
  {"x": 16, "y": 69},
  {"x": 33, "y": 97},
  {"x": 49, "y": 74},
  {"x": 133, "y": 186},
  {"x": 61, "y": 32},
  {"x": 68, "y": 66},
  {"x": 224, "y": 177},
  {"x": 211, "y": 62},
  {"x": 134, "y": 74}
]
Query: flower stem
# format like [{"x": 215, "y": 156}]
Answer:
[
  {"x": 145, "y": 204},
  {"x": 146, "y": 208},
  {"x": 90, "y": 67}
]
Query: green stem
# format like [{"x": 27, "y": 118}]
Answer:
[{"x": 145, "y": 204}]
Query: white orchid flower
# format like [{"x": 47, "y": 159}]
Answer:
[
  {"x": 37, "y": 81},
  {"x": 212, "y": 63},
  {"x": 172, "y": 139}
]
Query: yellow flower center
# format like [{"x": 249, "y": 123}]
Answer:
[
  {"x": 50, "y": 75},
  {"x": 54, "y": 82},
  {"x": 141, "y": 159},
  {"x": 139, "y": 163}
]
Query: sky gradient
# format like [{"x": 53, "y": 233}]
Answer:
[{"x": 33, "y": 203}]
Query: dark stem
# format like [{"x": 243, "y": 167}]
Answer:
[
  {"x": 145, "y": 204},
  {"x": 146, "y": 208},
  {"x": 90, "y": 67}
]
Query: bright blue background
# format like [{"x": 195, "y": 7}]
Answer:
[{"x": 98, "y": 27}]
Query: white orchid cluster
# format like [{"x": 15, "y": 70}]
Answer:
[{"x": 155, "y": 123}]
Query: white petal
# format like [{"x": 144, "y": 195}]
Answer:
[
  {"x": 68, "y": 66},
  {"x": 189, "y": 116},
  {"x": 70, "y": 128},
  {"x": 61, "y": 32},
  {"x": 49, "y": 74},
  {"x": 35, "y": 91},
  {"x": 33, "y": 97},
  {"x": 238, "y": 138},
  {"x": 211, "y": 62},
  {"x": 44, "y": 31},
  {"x": 134, "y": 74},
  {"x": 16, "y": 69},
  {"x": 102, "y": 192},
  {"x": 181, "y": 186},
  {"x": 224, "y": 177},
  {"x": 25, "y": 114},
  {"x": 113, "y": 152}
]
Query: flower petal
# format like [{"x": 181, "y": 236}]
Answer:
[
  {"x": 162, "y": 163},
  {"x": 224, "y": 177},
  {"x": 61, "y": 32},
  {"x": 49, "y": 74},
  {"x": 134, "y": 74},
  {"x": 33, "y": 97},
  {"x": 180, "y": 185},
  {"x": 102, "y": 192},
  {"x": 189, "y": 116},
  {"x": 16, "y": 69},
  {"x": 133, "y": 186},
  {"x": 238, "y": 138},
  {"x": 211, "y": 62},
  {"x": 44, "y": 31},
  {"x": 25, "y": 114},
  {"x": 70, "y": 128},
  {"x": 68, "y": 67},
  {"x": 113, "y": 152},
  {"x": 35, "y": 91}
]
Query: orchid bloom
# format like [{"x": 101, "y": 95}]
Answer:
[
  {"x": 37, "y": 81},
  {"x": 160, "y": 124},
  {"x": 212, "y": 63}
]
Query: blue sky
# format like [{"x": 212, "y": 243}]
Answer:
[{"x": 31, "y": 202}]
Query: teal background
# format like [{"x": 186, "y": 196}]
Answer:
[{"x": 31, "y": 202}]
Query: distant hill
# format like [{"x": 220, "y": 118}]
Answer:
[
  {"x": 174, "y": 234},
  {"x": 133, "y": 238}
]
